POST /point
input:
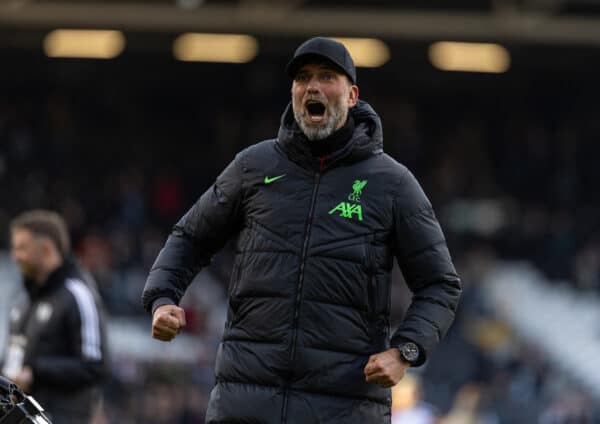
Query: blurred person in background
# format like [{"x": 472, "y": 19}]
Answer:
[
  {"x": 318, "y": 215},
  {"x": 57, "y": 349},
  {"x": 408, "y": 406},
  {"x": 468, "y": 407}
]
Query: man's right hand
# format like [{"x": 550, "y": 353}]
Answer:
[{"x": 167, "y": 322}]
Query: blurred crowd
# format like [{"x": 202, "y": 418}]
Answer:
[{"x": 511, "y": 175}]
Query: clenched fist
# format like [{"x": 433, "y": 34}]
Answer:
[
  {"x": 167, "y": 322},
  {"x": 385, "y": 368}
]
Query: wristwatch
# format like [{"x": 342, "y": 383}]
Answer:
[{"x": 409, "y": 352}]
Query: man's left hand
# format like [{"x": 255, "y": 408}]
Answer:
[
  {"x": 25, "y": 379},
  {"x": 385, "y": 368}
]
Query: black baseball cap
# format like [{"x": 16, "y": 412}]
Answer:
[{"x": 323, "y": 48}]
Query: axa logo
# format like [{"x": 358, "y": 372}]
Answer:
[{"x": 349, "y": 210}]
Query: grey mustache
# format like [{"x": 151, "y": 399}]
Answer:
[{"x": 317, "y": 99}]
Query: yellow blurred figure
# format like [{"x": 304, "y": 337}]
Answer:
[{"x": 407, "y": 404}]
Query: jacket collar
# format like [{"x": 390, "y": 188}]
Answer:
[
  {"x": 54, "y": 280},
  {"x": 366, "y": 140}
]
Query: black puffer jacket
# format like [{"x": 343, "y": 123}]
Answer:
[{"x": 310, "y": 289}]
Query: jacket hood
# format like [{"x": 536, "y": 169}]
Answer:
[{"x": 366, "y": 140}]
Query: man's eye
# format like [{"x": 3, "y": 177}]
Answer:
[
  {"x": 301, "y": 78},
  {"x": 327, "y": 77}
]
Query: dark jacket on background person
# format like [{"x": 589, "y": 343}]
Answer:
[
  {"x": 309, "y": 296},
  {"x": 62, "y": 335}
]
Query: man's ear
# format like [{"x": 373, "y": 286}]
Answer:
[
  {"x": 353, "y": 96},
  {"x": 47, "y": 245}
]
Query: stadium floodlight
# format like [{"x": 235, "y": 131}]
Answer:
[
  {"x": 366, "y": 52},
  {"x": 224, "y": 48},
  {"x": 469, "y": 57},
  {"x": 84, "y": 43}
]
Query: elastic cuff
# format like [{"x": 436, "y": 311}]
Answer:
[{"x": 161, "y": 301}]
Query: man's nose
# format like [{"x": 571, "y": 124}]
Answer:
[{"x": 313, "y": 85}]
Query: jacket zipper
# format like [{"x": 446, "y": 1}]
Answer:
[
  {"x": 300, "y": 282},
  {"x": 238, "y": 267},
  {"x": 375, "y": 317},
  {"x": 371, "y": 284}
]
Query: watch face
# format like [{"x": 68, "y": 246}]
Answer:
[{"x": 410, "y": 352}]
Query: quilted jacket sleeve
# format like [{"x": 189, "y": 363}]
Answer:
[
  {"x": 202, "y": 231},
  {"x": 427, "y": 267}
]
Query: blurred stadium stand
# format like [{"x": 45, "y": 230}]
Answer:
[
  {"x": 542, "y": 314},
  {"x": 123, "y": 147}
]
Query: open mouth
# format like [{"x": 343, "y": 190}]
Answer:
[{"x": 316, "y": 111}]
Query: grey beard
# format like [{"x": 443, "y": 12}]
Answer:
[{"x": 314, "y": 133}]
